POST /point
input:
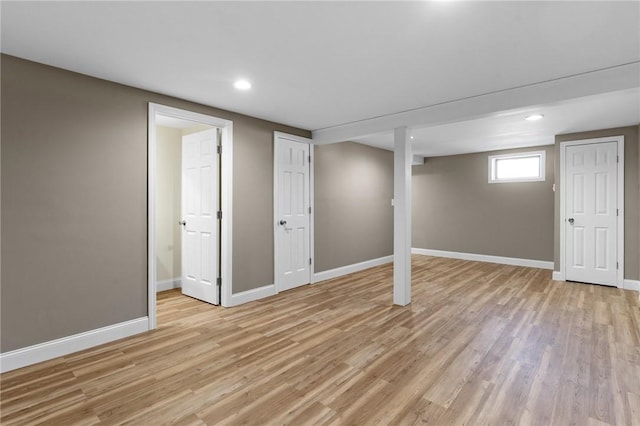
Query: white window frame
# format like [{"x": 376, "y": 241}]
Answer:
[{"x": 541, "y": 174}]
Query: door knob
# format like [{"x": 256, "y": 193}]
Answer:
[
  {"x": 283, "y": 222},
  {"x": 571, "y": 220},
  {"x": 182, "y": 222}
]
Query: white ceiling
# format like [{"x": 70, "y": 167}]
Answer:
[
  {"x": 509, "y": 129},
  {"x": 330, "y": 65}
]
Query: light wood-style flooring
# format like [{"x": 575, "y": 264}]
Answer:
[{"x": 480, "y": 344}]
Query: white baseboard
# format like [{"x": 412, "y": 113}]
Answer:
[
  {"x": 253, "y": 294},
  {"x": 485, "y": 258},
  {"x": 349, "y": 269},
  {"x": 168, "y": 284},
  {"x": 557, "y": 276},
  {"x": 631, "y": 285},
  {"x": 66, "y": 345}
]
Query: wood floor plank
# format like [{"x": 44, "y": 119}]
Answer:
[{"x": 480, "y": 343}]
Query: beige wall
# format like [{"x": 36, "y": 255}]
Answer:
[
  {"x": 631, "y": 195},
  {"x": 196, "y": 128},
  {"x": 74, "y": 201},
  {"x": 353, "y": 214},
  {"x": 456, "y": 209},
  {"x": 168, "y": 203}
]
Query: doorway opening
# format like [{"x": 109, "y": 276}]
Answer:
[{"x": 189, "y": 205}]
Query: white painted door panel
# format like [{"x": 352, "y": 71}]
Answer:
[
  {"x": 591, "y": 213},
  {"x": 200, "y": 195},
  {"x": 292, "y": 214}
]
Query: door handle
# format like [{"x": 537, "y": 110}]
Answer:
[
  {"x": 182, "y": 222},
  {"x": 283, "y": 222},
  {"x": 571, "y": 220}
]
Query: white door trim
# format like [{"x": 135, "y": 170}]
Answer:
[
  {"x": 301, "y": 139},
  {"x": 620, "y": 200},
  {"x": 226, "y": 192}
]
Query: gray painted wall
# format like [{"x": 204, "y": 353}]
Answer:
[
  {"x": 456, "y": 209},
  {"x": 353, "y": 214},
  {"x": 631, "y": 194},
  {"x": 74, "y": 200}
]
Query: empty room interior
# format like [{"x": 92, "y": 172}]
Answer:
[{"x": 367, "y": 212}]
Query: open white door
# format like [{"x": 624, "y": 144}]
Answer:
[
  {"x": 200, "y": 205},
  {"x": 591, "y": 176},
  {"x": 292, "y": 212}
]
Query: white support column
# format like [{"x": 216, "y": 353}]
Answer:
[{"x": 401, "y": 217}]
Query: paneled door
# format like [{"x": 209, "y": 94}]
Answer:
[
  {"x": 200, "y": 227},
  {"x": 591, "y": 212},
  {"x": 292, "y": 213}
]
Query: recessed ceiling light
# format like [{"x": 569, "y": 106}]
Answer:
[
  {"x": 242, "y": 85},
  {"x": 411, "y": 137},
  {"x": 534, "y": 117}
]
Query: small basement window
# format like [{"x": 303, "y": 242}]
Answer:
[{"x": 521, "y": 167}]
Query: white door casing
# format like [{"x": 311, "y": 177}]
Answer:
[
  {"x": 200, "y": 196},
  {"x": 591, "y": 209},
  {"x": 292, "y": 213}
]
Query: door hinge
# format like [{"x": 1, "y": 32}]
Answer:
[
  {"x": 309, "y": 209},
  {"x": 219, "y": 214},
  {"x": 309, "y": 159},
  {"x": 219, "y": 281},
  {"x": 617, "y": 212},
  {"x": 617, "y": 265},
  {"x": 617, "y": 158},
  {"x": 219, "y": 149},
  {"x": 309, "y": 261}
]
